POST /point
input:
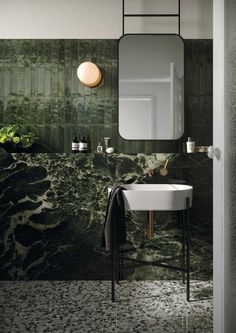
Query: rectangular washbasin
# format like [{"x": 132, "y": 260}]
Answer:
[{"x": 157, "y": 196}]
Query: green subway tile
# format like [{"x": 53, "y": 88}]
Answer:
[
  {"x": 67, "y": 118},
  {"x": 47, "y": 82},
  {"x": 40, "y": 81},
  {"x": 20, "y": 53},
  {"x": 21, "y": 103},
  {"x": 98, "y": 53},
  {"x": 74, "y": 111},
  {"x": 47, "y": 50},
  {"x": 68, "y": 53},
  {"x": 54, "y": 82},
  {"x": 84, "y": 50},
  {"x": 120, "y": 144},
  {"x": 74, "y": 53},
  {"x": 55, "y": 138},
  {"x": 61, "y": 82},
  {"x": 13, "y": 81},
  {"x": 68, "y": 81},
  {"x": 13, "y": 111},
  {"x": 48, "y": 116},
  {"x": 40, "y": 53},
  {"x": 34, "y": 110},
  {"x": 108, "y": 115},
  {"x": 41, "y": 113},
  {"x": 100, "y": 113},
  {"x": 148, "y": 147},
  {"x": 87, "y": 91},
  {"x": 61, "y": 139},
  {"x": 61, "y": 52},
  {"x": 1, "y": 53},
  {"x": 54, "y": 111},
  {"x": 33, "y": 82},
  {"x": 1, "y": 113},
  {"x": 114, "y": 137},
  {"x": 54, "y": 53},
  {"x": 81, "y": 89},
  {"x": 27, "y": 117},
  {"x": 68, "y": 135},
  {"x": 13, "y": 53},
  {"x": 75, "y": 82},
  {"x": 21, "y": 81},
  {"x": 6, "y": 81},
  {"x": 33, "y": 53},
  {"x": 60, "y": 111},
  {"x": 7, "y": 53},
  {"x": 27, "y": 81},
  {"x": 94, "y": 137},
  {"x": 1, "y": 82},
  {"x": 27, "y": 53}
]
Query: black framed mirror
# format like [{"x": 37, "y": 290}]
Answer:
[{"x": 151, "y": 86}]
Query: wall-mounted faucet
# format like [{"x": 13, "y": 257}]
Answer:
[{"x": 150, "y": 172}]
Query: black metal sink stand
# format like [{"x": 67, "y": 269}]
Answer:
[{"x": 117, "y": 257}]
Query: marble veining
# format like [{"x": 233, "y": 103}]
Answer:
[
  {"x": 53, "y": 206},
  {"x": 85, "y": 306}
]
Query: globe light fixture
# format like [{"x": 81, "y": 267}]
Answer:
[{"x": 89, "y": 74}]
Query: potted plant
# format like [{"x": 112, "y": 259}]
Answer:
[{"x": 17, "y": 138}]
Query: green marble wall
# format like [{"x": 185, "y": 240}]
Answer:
[
  {"x": 52, "y": 212},
  {"x": 52, "y": 205},
  {"x": 39, "y": 86}
]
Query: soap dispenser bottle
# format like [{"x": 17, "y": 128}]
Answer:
[
  {"x": 75, "y": 145},
  {"x": 190, "y": 145},
  {"x": 83, "y": 145}
]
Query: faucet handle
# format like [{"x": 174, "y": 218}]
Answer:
[
  {"x": 164, "y": 170},
  {"x": 150, "y": 172}
]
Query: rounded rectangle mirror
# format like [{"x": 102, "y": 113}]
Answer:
[{"x": 151, "y": 86}]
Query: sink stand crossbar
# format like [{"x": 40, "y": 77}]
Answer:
[{"x": 118, "y": 257}]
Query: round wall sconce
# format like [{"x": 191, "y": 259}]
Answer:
[{"x": 89, "y": 74}]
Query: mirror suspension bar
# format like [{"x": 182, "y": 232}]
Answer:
[
  {"x": 123, "y": 20},
  {"x": 149, "y": 15}
]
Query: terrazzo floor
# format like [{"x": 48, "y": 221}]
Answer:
[{"x": 85, "y": 306}]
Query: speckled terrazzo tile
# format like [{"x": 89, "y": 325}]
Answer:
[
  {"x": 85, "y": 306},
  {"x": 162, "y": 307},
  {"x": 63, "y": 292},
  {"x": 61, "y": 318},
  {"x": 56, "y": 307},
  {"x": 200, "y": 290}
]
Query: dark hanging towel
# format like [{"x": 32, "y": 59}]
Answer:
[{"x": 114, "y": 233}]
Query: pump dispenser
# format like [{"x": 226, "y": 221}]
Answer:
[{"x": 190, "y": 145}]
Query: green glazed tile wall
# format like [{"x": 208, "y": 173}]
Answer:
[{"x": 39, "y": 86}]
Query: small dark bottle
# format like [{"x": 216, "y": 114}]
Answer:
[
  {"x": 83, "y": 145},
  {"x": 75, "y": 145}
]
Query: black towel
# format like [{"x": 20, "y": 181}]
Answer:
[{"x": 114, "y": 233}]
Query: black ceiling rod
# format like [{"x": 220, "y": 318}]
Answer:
[
  {"x": 179, "y": 17},
  {"x": 123, "y": 22},
  {"x": 149, "y": 15}
]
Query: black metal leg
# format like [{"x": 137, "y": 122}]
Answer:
[
  {"x": 183, "y": 266},
  {"x": 188, "y": 249},
  {"x": 113, "y": 273},
  {"x": 121, "y": 263},
  {"x": 118, "y": 265}
]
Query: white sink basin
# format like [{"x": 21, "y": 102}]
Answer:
[{"x": 157, "y": 196}]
